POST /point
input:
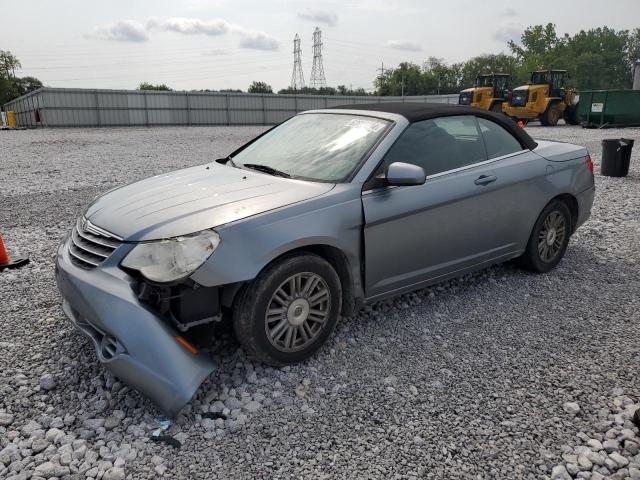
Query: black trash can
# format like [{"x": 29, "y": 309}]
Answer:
[{"x": 616, "y": 156}]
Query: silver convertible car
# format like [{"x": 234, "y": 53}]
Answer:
[{"x": 307, "y": 222}]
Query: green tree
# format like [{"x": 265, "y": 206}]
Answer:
[
  {"x": 500, "y": 63},
  {"x": 540, "y": 47},
  {"x": 259, "y": 87},
  {"x": 406, "y": 79},
  {"x": 150, "y": 86},
  {"x": 598, "y": 58},
  {"x": 11, "y": 86},
  {"x": 26, "y": 85},
  {"x": 8, "y": 64},
  {"x": 633, "y": 47}
]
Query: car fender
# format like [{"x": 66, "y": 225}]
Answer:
[{"x": 249, "y": 245}]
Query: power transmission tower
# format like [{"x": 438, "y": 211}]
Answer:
[
  {"x": 297, "y": 77},
  {"x": 318, "y": 79}
]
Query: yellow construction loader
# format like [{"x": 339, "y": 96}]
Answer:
[
  {"x": 544, "y": 98},
  {"x": 488, "y": 92}
]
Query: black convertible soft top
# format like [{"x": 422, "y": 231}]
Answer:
[{"x": 415, "y": 112}]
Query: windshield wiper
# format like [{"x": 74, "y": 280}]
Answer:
[{"x": 266, "y": 169}]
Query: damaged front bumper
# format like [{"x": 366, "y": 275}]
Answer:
[{"x": 131, "y": 341}]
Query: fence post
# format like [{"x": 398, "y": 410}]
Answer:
[
  {"x": 146, "y": 108},
  {"x": 186, "y": 94},
  {"x": 95, "y": 94},
  {"x": 228, "y": 108}
]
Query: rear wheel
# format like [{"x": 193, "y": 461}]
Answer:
[
  {"x": 288, "y": 312},
  {"x": 549, "y": 238},
  {"x": 551, "y": 115}
]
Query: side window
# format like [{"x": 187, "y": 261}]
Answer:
[
  {"x": 498, "y": 141},
  {"x": 439, "y": 144}
]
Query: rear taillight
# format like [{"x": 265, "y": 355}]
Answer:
[{"x": 589, "y": 162}]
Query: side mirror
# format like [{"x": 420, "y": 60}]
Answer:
[{"x": 404, "y": 174}]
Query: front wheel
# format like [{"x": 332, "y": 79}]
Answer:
[
  {"x": 549, "y": 238},
  {"x": 289, "y": 311},
  {"x": 496, "y": 107},
  {"x": 551, "y": 115}
]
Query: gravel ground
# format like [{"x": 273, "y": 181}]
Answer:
[{"x": 500, "y": 374}]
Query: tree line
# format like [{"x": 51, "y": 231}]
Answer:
[
  {"x": 12, "y": 86},
  {"x": 263, "y": 87},
  {"x": 598, "y": 58}
]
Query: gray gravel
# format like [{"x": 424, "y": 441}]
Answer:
[{"x": 500, "y": 374}]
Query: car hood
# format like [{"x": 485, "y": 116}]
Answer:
[{"x": 194, "y": 199}]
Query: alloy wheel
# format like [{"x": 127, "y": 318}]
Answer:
[
  {"x": 297, "y": 312},
  {"x": 551, "y": 236}
]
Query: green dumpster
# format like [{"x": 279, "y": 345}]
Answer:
[{"x": 609, "y": 108}]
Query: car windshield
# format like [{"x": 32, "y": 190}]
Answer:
[{"x": 324, "y": 147}]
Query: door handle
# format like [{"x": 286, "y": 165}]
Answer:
[{"x": 485, "y": 179}]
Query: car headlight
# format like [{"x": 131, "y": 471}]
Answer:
[{"x": 173, "y": 259}]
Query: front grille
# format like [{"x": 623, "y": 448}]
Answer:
[
  {"x": 519, "y": 98},
  {"x": 90, "y": 245}
]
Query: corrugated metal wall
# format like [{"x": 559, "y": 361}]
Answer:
[{"x": 67, "y": 107}]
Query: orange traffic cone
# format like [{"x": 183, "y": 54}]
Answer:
[{"x": 5, "y": 262}]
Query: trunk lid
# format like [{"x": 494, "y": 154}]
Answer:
[{"x": 559, "y": 151}]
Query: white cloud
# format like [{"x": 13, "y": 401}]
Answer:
[
  {"x": 510, "y": 12},
  {"x": 129, "y": 30},
  {"x": 320, "y": 16},
  {"x": 404, "y": 45},
  {"x": 259, "y": 41},
  {"x": 122, "y": 31},
  {"x": 190, "y": 26}
]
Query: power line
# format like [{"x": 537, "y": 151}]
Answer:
[{"x": 318, "y": 79}]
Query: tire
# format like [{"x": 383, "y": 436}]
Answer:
[
  {"x": 265, "y": 336},
  {"x": 551, "y": 115},
  {"x": 496, "y": 107},
  {"x": 535, "y": 257}
]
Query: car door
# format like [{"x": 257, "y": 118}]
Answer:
[{"x": 419, "y": 233}]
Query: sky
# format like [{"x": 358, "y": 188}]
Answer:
[{"x": 216, "y": 44}]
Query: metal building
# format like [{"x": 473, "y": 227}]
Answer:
[{"x": 75, "y": 107}]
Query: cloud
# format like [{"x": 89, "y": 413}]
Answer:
[
  {"x": 320, "y": 16},
  {"x": 404, "y": 45},
  {"x": 508, "y": 33},
  {"x": 121, "y": 31},
  {"x": 510, "y": 12},
  {"x": 259, "y": 41},
  {"x": 190, "y": 26},
  {"x": 129, "y": 30}
]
